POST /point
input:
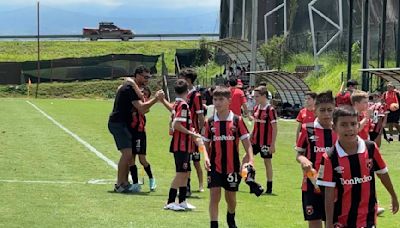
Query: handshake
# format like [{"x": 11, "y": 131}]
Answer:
[
  {"x": 249, "y": 173},
  {"x": 160, "y": 95}
]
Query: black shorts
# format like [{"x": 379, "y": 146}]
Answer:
[
  {"x": 313, "y": 206},
  {"x": 373, "y": 136},
  {"x": 230, "y": 182},
  {"x": 122, "y": 135},
  {"x": 182, "y": 162},
  {"x": 393, "y": 117},
  {"x": 263, "y": 150},
  {"x": 139, "y": 142},
  {"x": 195, "y": 156}
]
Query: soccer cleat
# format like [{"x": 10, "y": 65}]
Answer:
[
  {"x": 173, "y": 207},
  {"x": 122, "y": 189},
  {"x": 152, "y": 183},
  {"x": 380, "y": 210},
  {"x": 135, "y": 188},
  {"x": 201, "y": 189},
  {"x": 187, "y": 206},
  {"x": 268, "y": 191}
]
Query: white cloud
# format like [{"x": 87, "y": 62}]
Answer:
[{"x": 114, "y": 3}]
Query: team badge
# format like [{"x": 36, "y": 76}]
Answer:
[
  {"x": 339, "y": 169},
  {"x": 314, "y": 138},
  {"x": 233, "y": 129},
  {"x": 309, "y": 210},
  {"x": 370, "y": 163},
  {"x": 184, "y": 113},
  {"x": 213, "y": 129},
  {"x": 185, "y": 165}
]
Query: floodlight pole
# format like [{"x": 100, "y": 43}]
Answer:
[
  {"x": 350, "y": 41},
  {"x": 364, "y": 60},
  {"x": 254, "y": 24},
  {"x": 230, "y": 18},
  {"x": 243, "y": 19},
  {"x": 398, "y": 36},
  {"x": 383, "y": 39},
  {"x": 38, "y": 49}
]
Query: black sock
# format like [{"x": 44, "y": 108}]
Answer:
[
  {"x": 230, "y": 218},
  {"x": 134, "y": 174},
  {"x": 214, "y": 224},
  {"x": 269, "y": 186},
  {"x": 172, "y": 195},
  {"x": 188, "y": 185},
  {"x": 148, "y": 171},
  {"x": 182, "y": 194}
]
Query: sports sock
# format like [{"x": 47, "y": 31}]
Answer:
[
  {"x": 134, "y": 174},
  {"x": 182, "y": 194},
  {"x": 214, "y": 224},
  {"x": 148, "y": 171},
  {"x": 172, "y": 195},
  {"x": 230, "y": 218}
]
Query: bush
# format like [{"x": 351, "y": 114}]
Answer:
[{"x": 272, "y": 51}]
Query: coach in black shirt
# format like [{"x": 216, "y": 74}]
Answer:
[{"x": 128, "y": 96}]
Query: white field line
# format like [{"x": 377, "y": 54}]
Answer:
[
  {"x": 83, "y": 142},
  {"x": 93, "y": 181}
]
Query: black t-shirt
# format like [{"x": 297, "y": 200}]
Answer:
[
  {"x": 122, "y": 110},
  {"x": 208, "y": 98}
]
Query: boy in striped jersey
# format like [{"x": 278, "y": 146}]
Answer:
[
  {"x": 181, "y": 147},
  {"x": 264, "y": 132},
  {"x": 315, "y": 139},
  {"x": 348, "y": 174},
  {"x": 222, "y": 134}
]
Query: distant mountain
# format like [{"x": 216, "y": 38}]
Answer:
[{"x": 144, "y": 21}]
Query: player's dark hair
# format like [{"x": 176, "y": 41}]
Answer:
[
  {"x": 221, "y": 91},
  {"x": 312, "y": 95},
  {"x": 233, "y": 81},
  {"x": 146, "y": 89},
  {"x": 324, "y": 98},
  {"x": 343, "y": 111},
  {"x": 140, "y": 70},
  {"x": 188, "y": 74},
  {"x": 180, "y": 87},
  {"x": 262, "y": 90}
]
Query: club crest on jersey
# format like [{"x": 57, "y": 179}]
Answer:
[
  {"x": 184, "y": 113},
  {"x": 339, "y": 169},
  {"x": 185, "y": 165},
  {"x": 213, "y": 129},
  {"x": 313, "y": 138},
  {"x": 233, "y": 129},
  {"x": 369, "y": 163},
  {"x": 309, "y": 210}
]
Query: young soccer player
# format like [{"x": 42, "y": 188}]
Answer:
[
  {"x": 195, "y": 103},
  {"x": 379, "y": 118},
  {"x": 264, "y": 133},
  {"x": 359, "y": 99},
  {"x": 306, "y": 115},
  {"x": 348, "y": 174},
  {"x": 222, "y": 134},
  {"x": 181, "y": 146},
  {"x": 139, "y": 142},
  {"x": 315, "y": 139}
]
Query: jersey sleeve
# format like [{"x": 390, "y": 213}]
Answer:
[
  {"x": 207, "y": 132},
  {"x": 272, "y": 115},
  {"x": 325, "y": 173},
  {"x": 299, "y": 117},
  {"x": 198, "y": 104},
  {"x": 243, "y": 131},
  {"x": 243, "y": 99},
  {"x": 379, "y": 164},
  {"x": 302, "y": 142}
]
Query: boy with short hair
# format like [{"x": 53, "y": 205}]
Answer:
[
  {"x": 181, "y": 146},
  {"x": 315, "y": 139},
  {"x": 222, "y": 134},
  {"x": 139, "y": 142},
  {"x": 379, "y": 118},
  {"x": 348, "y": 175},
  {"x": 306, "y": 115},
  {"x": 264, "y": 133},
  {"x": 359, "y": 99}
]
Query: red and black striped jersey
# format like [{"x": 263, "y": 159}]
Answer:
[
  {"x": 353, "y": 177},
  {"x": 224, "y": 136},
  {"x": 138, "y": 121},
  {"x": 264, "y": 117},
  {"x": 379, "y": 112},
  {"x": 313, "y": 142},
  {"x": 181, "y": 142},
  {"x": 196, "y": 107}
]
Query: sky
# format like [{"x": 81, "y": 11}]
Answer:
[{"x": 13, "y": 4}]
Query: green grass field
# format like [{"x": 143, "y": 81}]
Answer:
[{"x": 35, "y": 149}]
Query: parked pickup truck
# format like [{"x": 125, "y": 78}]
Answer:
[{"x": 107, "y": 30}]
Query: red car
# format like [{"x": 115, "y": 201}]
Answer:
[{"x": 107, "y": 30}]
